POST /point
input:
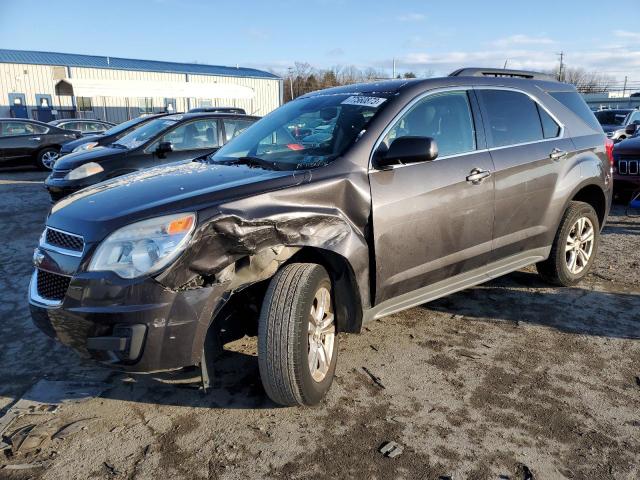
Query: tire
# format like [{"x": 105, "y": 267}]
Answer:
[
  {"x": 47, "y": 157},
  {"x": 285, "y": 338},
  {"x": 566, "y": 266}
]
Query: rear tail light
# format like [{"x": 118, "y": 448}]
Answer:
[{"x": 608, "y": 145}]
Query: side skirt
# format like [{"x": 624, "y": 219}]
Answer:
[{"x": 457, "y": 283}]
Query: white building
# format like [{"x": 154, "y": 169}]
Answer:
[{"x": 42, "y": 85}]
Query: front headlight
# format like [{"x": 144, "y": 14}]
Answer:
[
  {"x": 84, "y": 171},
  {"x": 84, "y": 146},
  {"x": 144, "y": 247}
]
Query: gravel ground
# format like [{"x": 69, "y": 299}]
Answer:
[{"x": 504, "y": 380}]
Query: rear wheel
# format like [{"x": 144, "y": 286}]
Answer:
[
  {"x": 47, "y": 158},
  {"x": 297, "y": 342},
  {"x": 574, "y": 247}
]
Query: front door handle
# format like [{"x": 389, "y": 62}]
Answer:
[
  {"x": 34, "y": 138},
  {"x": 557, "y": 154},
  {"x": 476, "y": 176}
]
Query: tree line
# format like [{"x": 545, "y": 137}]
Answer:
[{"x": 303, "y": 78}]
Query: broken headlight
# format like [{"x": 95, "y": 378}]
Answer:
[{"x": 144, "y": 247}]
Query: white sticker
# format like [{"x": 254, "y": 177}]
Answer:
[{"x": 363, "y": 101}]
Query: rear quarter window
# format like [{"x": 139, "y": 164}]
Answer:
[{"x": 574, "y": 102}]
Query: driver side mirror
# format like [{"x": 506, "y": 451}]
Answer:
[
  {"x": 164, "y": 148},
  {"x": 631, "y": 129},
  {"x": 405, "y": 150}
]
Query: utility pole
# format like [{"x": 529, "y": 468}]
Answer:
[
  {"x": 394, "y": 68},
  {"x": 505, "y": 64},
  {"x": 624, "y": 89},
  {"x": 291, "y": 81},
  {"x": 561, "y": 55}
]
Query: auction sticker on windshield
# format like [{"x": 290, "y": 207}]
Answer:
[{"x": 364, "y": 101}]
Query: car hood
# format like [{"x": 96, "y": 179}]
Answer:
[
  {"x": 98, "y": 210},
  {"x": 97, "y": 155},
  {"x": 628, "y": 146},
  {"x": 69, "y": 146}
]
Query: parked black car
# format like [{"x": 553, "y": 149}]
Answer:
[
  {"x": 237, "y": 111},
  {"x": 85, "y": 127},
  {"x": 166, "y": 139},
  {"x": 416, "y": 189},
  {"x": 28, "y": 141},
  {"x": 109, "y": 136}
]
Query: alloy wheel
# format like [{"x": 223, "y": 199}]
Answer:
[
  {"x": 579, "y": 247},
  {"x": 49, "y": 159},
  {"x": 322, "y": 333}
]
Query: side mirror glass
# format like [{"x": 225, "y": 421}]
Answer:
[
  {"x": 164, "y": 148},
  {"x": 405, "y": 150}
]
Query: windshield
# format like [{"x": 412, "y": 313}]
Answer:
[
  {"x": 146, "y": 132},
  {"x": 305, "y": 133},
  {"x": 121, "y": 127}
]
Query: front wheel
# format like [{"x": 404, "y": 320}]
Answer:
[
  {"x": 47, "y": 158},
  {"x": 574, "y": 247},
  {"x": 297, "y": 341}
]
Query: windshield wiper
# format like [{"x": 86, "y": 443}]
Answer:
[{"x": 119, "y": 145}]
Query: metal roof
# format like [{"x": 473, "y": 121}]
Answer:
[{"x": 116, "y": 63}]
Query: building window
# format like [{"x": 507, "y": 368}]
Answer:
[
  {"x": 145, "y": 105},
  {"x": 84, "y": 104}
]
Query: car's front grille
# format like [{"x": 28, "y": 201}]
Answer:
[
  {"x": 67, "y": 241},
  {"x": 52, "y": 286},
  {"x": 59, "y": 173},
  {"x": 629, "y": 167}
]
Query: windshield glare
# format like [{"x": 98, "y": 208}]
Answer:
[
  {"x": 146, "y": 132},
  {"x": 121, "y": 127},
  {"x": 305, "y": 133}
]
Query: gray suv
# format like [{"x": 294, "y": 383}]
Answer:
[{"x": 340, "y": 207}]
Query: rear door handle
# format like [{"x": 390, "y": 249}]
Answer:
[
  {"x": 476, "y": 176},
  {"x": 34, "y": 138},
  {"x": 557, "y": 154}
]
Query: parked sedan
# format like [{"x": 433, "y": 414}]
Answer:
[
  {"x": 162, "y": 140},
  {"x": 85, "y": 127},
  {"x": 24, "y": 142},
  {"x": 113, "y": 134}
]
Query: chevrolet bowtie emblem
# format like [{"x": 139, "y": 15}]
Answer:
[{"x": 38, "y": 257}]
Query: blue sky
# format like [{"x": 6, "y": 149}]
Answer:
[{"x": 424, "y": 36}]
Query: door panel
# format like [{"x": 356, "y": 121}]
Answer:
[
  {"x": 528, "y": 150},
  {"x": 525, "y": 178},
  {"x": 430, "y": 223}
]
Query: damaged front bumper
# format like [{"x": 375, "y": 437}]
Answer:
[{"x": 136, "y": 325}]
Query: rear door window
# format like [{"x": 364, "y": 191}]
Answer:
[
  {"x": 574, "y": 102},
  {"x": 512, "y": 117},
  {"x": 10, "y": 129}
]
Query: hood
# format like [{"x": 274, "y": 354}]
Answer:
[
  {"x": 69, "y": 146},
  {"x": 628, "y": 146},
  {"x": 97, "y": 154},
  {"x": 187, "y": 186},
  {"x": 611, "y": 128}
]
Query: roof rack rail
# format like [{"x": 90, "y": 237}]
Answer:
[{"x": 500, "y": 72}]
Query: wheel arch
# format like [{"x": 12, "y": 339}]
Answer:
[
  {"x": 595, "y": 196},
  {"x": 348, "y": 303}
]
